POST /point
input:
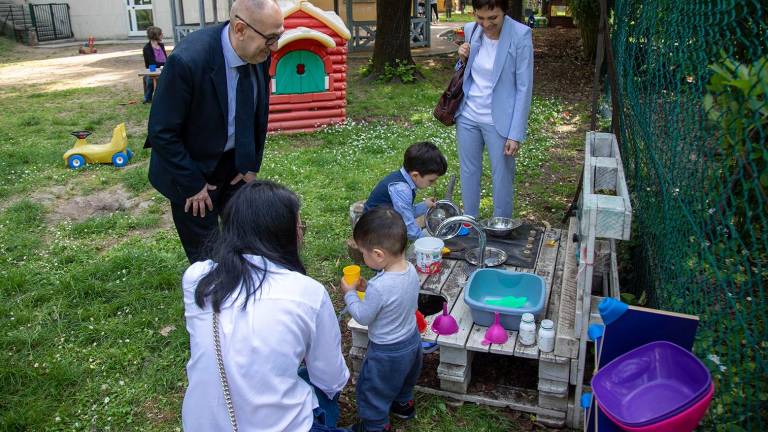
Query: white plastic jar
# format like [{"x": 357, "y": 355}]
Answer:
[
  {"x": 527, "y": 331},
  {"x": 547, "y": 336}
]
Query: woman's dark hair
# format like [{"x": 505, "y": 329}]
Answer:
[
  {"x": 490, "y": 4},
  {"x": 424, "y": 158},
  {"x": 154, "y": 33},
  {"x": 381, "y": 228},
  {"x": 260, "y": 219}
]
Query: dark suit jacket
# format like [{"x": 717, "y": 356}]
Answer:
[{"x": 188, "y": 121}]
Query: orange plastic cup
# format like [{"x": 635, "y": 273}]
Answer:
[{"x": 351, "y": 274}]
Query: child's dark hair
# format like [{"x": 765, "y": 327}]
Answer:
[
  {"x": 424, "y": 158},
  {"x": 490, "y": 4},
  {"x": 381, "y": 228}
]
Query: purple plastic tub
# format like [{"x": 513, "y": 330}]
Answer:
[{"x": 650, "y": 383}]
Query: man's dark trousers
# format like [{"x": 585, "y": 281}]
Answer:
[{"x": 195, "y": 231}]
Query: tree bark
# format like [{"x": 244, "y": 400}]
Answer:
[{"x": 393, "y": 34}]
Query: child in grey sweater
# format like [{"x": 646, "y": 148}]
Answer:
[{"x": 393, "y": 361}]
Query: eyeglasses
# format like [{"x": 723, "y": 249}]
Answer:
[{"x": 268, "y": 40}]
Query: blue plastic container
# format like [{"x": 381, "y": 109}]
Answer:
[{"x": 493, "y": 284}]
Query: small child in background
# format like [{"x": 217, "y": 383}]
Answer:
[
  {"x": 392, "y": 363},
  {"x": 423, "y": 163}
]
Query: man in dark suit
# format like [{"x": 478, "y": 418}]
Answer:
[{"x": 208, "y": 121}]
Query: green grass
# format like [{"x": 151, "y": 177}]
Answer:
[
  {"x": 457, "y": 17},
  {"x": 82, "y": 304}
]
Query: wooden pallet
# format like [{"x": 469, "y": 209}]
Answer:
[
  {"x": 604, "y": 172},
  {"x": 553, "y": 393}
]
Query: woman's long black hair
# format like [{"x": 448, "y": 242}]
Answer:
[{"x": 260, "y": 219}]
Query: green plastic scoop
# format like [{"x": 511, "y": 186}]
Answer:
[{"x": 507, "y": 302}]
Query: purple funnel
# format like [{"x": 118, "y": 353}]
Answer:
[
  {"x": 445, "y": 324},
  {"x": 495, "y": 333}
]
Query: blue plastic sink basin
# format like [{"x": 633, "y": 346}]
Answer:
[{"x": 495, "y": 284}]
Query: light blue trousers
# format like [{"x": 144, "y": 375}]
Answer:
[{"x": 471, "y": 139}]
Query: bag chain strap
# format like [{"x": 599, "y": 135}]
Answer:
[{"x": 222, "y": 373}]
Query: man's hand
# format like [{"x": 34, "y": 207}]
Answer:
[
  {"x": 247, "y": 177},
  {"x": 200, "y": 201},
  {"x": 511, "y": 147},
  {"x": 464, "y": 52},
  {"x": 430, "y": 202}
]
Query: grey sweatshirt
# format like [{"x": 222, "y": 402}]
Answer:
[{"x": 389, "y": 308}]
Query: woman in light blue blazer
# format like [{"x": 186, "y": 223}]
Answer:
[{"x": 498, "y": 83}]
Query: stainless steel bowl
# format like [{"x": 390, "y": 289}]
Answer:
[
  {"x": 493, "y": 256},
  {"x": 442, "y": 210},
  {"x": 500, "y": 226}
]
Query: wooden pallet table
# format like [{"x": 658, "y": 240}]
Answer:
[{"x": 551, "y": 398}]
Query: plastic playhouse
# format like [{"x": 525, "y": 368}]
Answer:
[
  {"x": 309, "y": 70},
  {"x": 115, "y": 152}
]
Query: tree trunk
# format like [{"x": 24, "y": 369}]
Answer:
[
  {"x": 589, "y": 39},
  {"x": 393, "y": 34}
]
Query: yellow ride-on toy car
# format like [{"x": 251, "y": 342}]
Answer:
[{"x": 115, "y": 152}]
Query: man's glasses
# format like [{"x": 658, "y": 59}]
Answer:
[{"x": 268, "y": 40}]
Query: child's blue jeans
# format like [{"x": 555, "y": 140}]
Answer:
[{"x": 389, "y": 374}]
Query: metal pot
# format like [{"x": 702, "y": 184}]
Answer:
[
  {"x": 500, "y": 226},
  {"x": 442, "y": 210},
  {"x": 493, "y": 256}
]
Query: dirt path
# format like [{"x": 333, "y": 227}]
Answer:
[{"x": 63, "y": 68}]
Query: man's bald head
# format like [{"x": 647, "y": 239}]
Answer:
[
  {"x": 254, "y": 23},
  {"x": 248, "y": 7}
]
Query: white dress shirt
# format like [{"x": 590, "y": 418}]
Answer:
[
  {"x": 478, "y": 106},
  {"x": 288, "y": 320}
]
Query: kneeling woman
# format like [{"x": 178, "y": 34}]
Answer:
[{"x": 253, "y": 316}]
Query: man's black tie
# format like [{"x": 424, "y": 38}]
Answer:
[{"x": 245, "y": 148}]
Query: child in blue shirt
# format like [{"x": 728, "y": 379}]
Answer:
[
  {"x": 423, "y": 163},
  {"x": 392, "y": 363}
]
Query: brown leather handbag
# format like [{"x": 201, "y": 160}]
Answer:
[{"x": 450, "y": 100}]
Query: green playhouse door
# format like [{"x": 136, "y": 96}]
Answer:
[{"x": 300, "y": 72}]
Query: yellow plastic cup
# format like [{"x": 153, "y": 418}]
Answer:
[
  {"x": 361, "y": 295},
  {"x": 351, "y": 274}
]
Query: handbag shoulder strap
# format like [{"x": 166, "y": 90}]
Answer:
[
  {"x": 223, "y": 373},
  {"x": 471, "y": 35}
]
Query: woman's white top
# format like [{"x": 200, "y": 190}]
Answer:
[
  {"x": 478, "y": 107},
  {"x": 289, "y": 320}
]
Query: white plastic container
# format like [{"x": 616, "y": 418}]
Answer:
[
  {"x": 527, "y": 331},
  {"x": 547, "y": 336},
  {"x": 429, "y": 254}
]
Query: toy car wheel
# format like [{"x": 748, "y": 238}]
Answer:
[
  {"x": 75, "y": 162},
  {"x": 130, "y": 154},
  {"x": 119, "y": 159}
]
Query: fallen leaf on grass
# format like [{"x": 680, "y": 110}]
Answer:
[{"x": 167, "y": 330}]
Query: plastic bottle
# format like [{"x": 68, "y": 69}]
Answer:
[
  {"x": 527, "y": 330},
  {"x": 547, "y": 336}
]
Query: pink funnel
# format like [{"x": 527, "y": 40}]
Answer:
[
  {"x": 445, "y": 324},
  {"x": 495, "y": 333}
]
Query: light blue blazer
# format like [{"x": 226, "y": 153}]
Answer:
[{"x": 512, "y": 77}]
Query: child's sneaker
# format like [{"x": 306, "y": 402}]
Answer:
[
  {"x": 358, "y": 427},
  {"x": 403, "y": 410}
]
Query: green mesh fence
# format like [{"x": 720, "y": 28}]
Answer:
[{"x": 692, "y": 82}]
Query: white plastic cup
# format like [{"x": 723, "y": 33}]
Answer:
[{"x": 429, "y": 254}]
